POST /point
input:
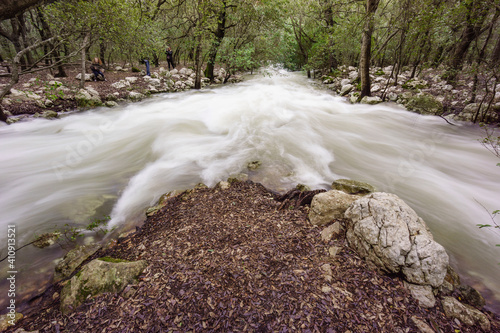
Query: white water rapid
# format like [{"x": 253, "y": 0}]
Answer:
[{"x": 120, "y": 161}]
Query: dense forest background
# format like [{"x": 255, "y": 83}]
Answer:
[{"x": 461, "y": 36}]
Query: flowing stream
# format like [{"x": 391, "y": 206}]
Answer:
[{"x": 120, "y": 161}]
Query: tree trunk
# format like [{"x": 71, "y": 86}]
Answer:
[
  {"x": 197, "y": 56},
  {"x": 476, "y": 14},
  {"x": 11, "y": 8},
  {"x": 219, "y": 36},
  {"x": 366, "y": 44},
  {"x": 495, "y": 56},
  {"x": 102, "y": 52},
  {"x": 84, "y": 49}
]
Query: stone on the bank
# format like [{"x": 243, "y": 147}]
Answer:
[
  {"x": 346, "y": 89},
  {"x": 423, "y": 294},
  {"x": 132, "y": 79},
  {"x": 472, "y": 296},
  {"x": 376, "y": 88},
  {"x": 88, "y": 97},
  {"x": 328, "y": 206},
  {"x": 88, "y": 77},
  {"x": 333, "y": 250},
  {"x": 424, "y": 104},
  {"x": 6, "y": 319},
  {"x": 22, "y": 96},
  {"x": 344, "y": 82},
  {"x": 385, "y": 230},
  {"x": 393, "y": 97},
  {"x": 135, "y": 96},
  {"x": 353, "y": 75},
  {"x": 330, "y": 231},
  {"x": 421, "y": 325},
  {"x": 73, "y": 259},
  {"x": 371, "y": 100},
  {"x": 121, "y": 84},
  {"x": 465, "y": 313},
  {"x": 49, "y": 114},
  {"x": 111, "y": 104},
  {"x": 97, "y": 277},
  {"x": 179, "y": 85},
  {"x": 470, "y": 110},
  {"x": 223, "y": 185},
  {"x": 352, "y": 186}
]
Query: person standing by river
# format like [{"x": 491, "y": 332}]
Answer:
[
  {"x": 145, "y": 60},
  {"x": 170, "y": 58}
]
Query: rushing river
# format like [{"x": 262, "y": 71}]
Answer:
[{"x": 119, "y": 161}]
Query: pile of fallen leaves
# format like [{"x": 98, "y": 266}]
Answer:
[{"x": 237, "y": 259}]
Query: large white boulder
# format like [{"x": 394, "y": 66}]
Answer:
[{"x": 383, "y": 229}]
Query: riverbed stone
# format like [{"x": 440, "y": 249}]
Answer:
[
  {"x": 327, "y": 206},
  {"x": 254, "y": 165},
  {"x": 97, "y": 277},
  {"x": 465, "y": 313},
  {"x": 73, "y": 259},
  {"x": 383, "y": 229},
  {"x": 352, "y": 186}
]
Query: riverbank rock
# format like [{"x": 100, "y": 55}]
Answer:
[
  {"x": 73, "y": 259},
  {"x": 7, "y": 319},
  {"x": 97, "y": 277},
  {"x": 424, "y": 104},
  {"x": 472, "y": 296},
  {"x": 423, "y": 294},
  {"x": 371, "y": 100},
  {"x": 465, "y": 313},
  {"x": 352, "y": 186},
  {"x": 88, "y": 97},
  {"x": 382, "y": 228},
  {"x": 328, "y": 206}
]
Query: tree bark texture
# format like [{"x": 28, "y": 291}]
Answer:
[
  {"x": 11, "y": 8},
  {"x": 366, "y": 44},
  {"x": 214, "y": 48}
]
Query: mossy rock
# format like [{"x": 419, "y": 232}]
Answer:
[
  {"x": 302, "y": 188},
  {"x": 73, "y": 259},
  {"x": 97, "y": 277},
  {"x": 352, "y": 186},
  {"x": 424, "y": 104},
  {"x": 241, "y": 177}
]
